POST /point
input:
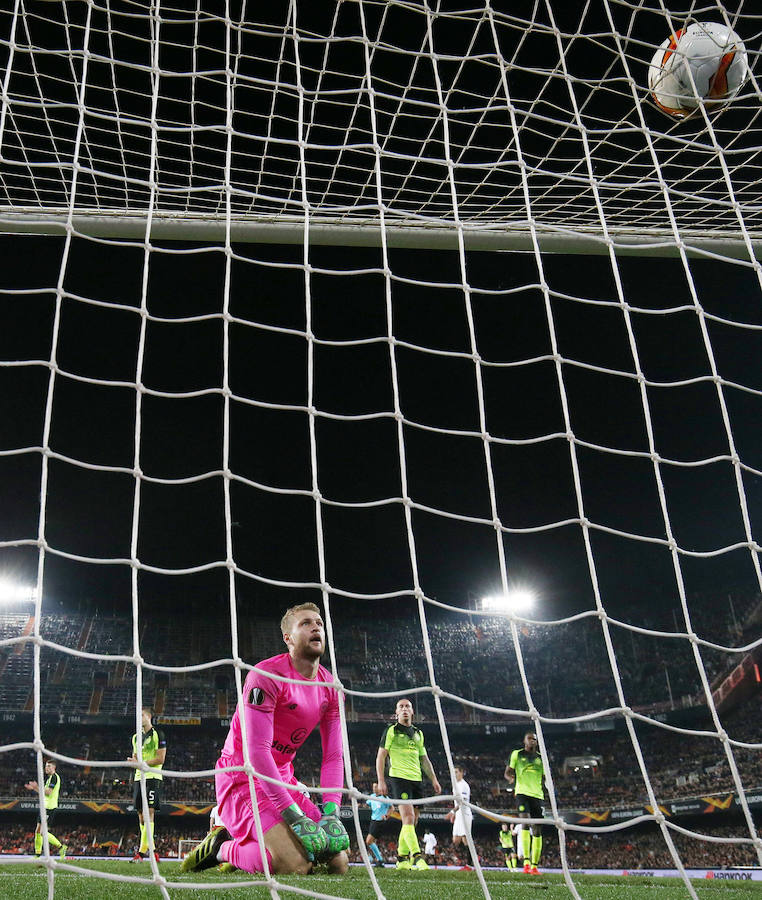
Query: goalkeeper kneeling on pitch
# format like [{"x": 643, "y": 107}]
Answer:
[{"x": 274, "y": 719}]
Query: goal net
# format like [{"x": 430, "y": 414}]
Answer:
[{"x": 411, "y": 309}]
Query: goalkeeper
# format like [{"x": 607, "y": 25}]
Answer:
[{"x": 278, "y": 717}]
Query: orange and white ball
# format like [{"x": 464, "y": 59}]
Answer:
[{"x": 703, "y": 63}]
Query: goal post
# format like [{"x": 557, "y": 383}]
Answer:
[
  {"x": 392, "y": 307},
  {"x": 186, "y": 846}
]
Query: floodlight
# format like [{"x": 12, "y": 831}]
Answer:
[
  {"x": 516, "y": 600},
  {"x": 15, "y": 592}
]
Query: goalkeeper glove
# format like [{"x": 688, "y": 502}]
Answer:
[
  {"x": 313, "y": 838},
  {"x": 336, "y": 833}
]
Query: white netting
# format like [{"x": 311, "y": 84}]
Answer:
[
  {"x": 542, "y": 117},
  {"x": 382, "y": 429}
]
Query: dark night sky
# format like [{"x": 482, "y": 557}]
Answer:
[{"x": 89, "y": 513}]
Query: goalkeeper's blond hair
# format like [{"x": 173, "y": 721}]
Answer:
[{"x": 285, "y": 622}]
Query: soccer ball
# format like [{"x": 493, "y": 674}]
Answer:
[{"x": 711, "y": 54}]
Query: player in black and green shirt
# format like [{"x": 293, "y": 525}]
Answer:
[
  {"x": 51, "y": 789},
  {"x": 154, "y": 746},
  {"x": 526, "y": 772},
  {"x": 402, "y": 744}
]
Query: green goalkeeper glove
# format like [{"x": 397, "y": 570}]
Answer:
[
  {"x": 336, "y": 833},
  {"x": 313, "y": 838}
]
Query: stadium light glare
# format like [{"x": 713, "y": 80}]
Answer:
[
  {"x": 516, "y": 600},
  {"x": 14, "y": 592}
]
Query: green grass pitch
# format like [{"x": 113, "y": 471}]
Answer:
[{"x": 30, "y": 882}]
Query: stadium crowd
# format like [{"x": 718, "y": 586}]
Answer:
[
  {"x": 678, "y": 764},
  {"x": 636, "y": 848},
  {"x": 475, "y": 657}
]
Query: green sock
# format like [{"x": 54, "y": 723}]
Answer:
[
  {"x": 526, "y": 841},
  {"x": 143, "y": 839},
  {"x": 37, "y": 842},
  {"x": 407, "y": 833},
  {"x": 402, "y": 848},
  {"x": 54, "y": 842},
  {"x": 536, "y": 848}
]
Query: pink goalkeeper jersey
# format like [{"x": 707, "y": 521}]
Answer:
[{"x": 279, "y": 718}]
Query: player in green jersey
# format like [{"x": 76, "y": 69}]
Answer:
[
  {"x": 506, "y": 844},
  {"x": 402, "y": 745},
  {"x": 527, "y": 774},
  {"x": 51, "y": 790},
  {"x": 154, "y": 747}
]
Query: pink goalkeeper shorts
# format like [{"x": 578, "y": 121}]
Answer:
[{"x": 234, "y": 801}]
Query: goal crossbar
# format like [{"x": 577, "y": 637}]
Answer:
[{"x": 367, "y": 233}]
